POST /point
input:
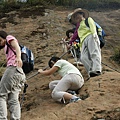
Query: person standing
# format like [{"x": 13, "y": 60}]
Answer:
[
  {"x": 71, "y": 80},
  {"x": 90, "y": 44},
  {"x": 13, "y": 78}
]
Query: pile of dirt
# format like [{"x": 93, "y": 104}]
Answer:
[{"x": 42, "y": 33}]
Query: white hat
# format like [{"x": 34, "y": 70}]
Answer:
[{"x": 69, "y": 16}]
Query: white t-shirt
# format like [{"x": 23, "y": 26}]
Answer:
[{"x": 65, "y": 68}]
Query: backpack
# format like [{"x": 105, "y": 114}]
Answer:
[
  {"x": 26, "y": 56},
  {"x": 100, "y": 35}
]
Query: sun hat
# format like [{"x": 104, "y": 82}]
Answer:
[
  {"x": 69, "y": 16},
  {"x": 78, "y": 10}
]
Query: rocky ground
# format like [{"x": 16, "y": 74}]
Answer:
[{"x": 42, "y": 30}]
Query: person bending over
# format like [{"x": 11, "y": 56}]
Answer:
[{"x": 71, "y": 80}]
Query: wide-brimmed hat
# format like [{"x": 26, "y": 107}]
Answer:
[
  {"x": 78, "y": 10},
  {"x": 69, "y": 16}
]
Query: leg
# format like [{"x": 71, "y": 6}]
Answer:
[
  {"x": 4, "y": 90},
  {"x": 91, "y": 54},
  {"x": 17, "y": 81},
  {"x": 95, "y": 53},
  {"x": 85, "y": 56},
  {"x": 79, "y": 57},
  {"x": 3, "y": 107},
  {"x": 10, "y": 85},
  {"x": 70, "y": 81},
  {"x": 53, "y": 84},
  {"x": 14, "y": 106}
]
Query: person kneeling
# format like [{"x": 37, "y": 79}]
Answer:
[{"x": 71, "y": 80}]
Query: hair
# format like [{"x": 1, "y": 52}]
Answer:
[
  {"x": 81, "y": 13},
  {"x": 69, "y": 31},
  {"x": 1, "y": 47},
  {"x": 70, "y": 20},
  {"x": 52, "y": 61},
  {"x": 3, "y": 35},
  {"x": 73, "y": 17}
]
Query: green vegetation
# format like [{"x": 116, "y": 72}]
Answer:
[
  {"x": 88, "y": 4},
  {"x": 13, "y": 5},
  {"x": 116, "y": 56},
  {"x": 91, "y": 4}
]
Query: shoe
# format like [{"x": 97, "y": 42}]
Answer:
[
  {"x": 74, "y": 63},
  {"x": 63, "y": 100},
  {"x": 78, "y": 62},
  {"x": 94, "y": 73},
  {"x": 72, "y": 92},
  {"x": 74, "y": 100}
]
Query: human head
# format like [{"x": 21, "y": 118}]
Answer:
[
  {"x": 52, "y": 61},
  {"x": 3, "y": 36},
  {"x": 69, "y": 33},
  {"x": 79, "y": 14}
]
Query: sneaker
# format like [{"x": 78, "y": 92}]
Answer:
[
  {"x": 78, "y": 63},
  {"x": 72, "y": 92},
  {"x": 94, "y": 73},
  {"x": 63, "y": 100},
  {"x": 74, "y": 100}
]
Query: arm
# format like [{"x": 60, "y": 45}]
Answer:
[
  {"x": 75, "y": 35},
  {"x": 92, "y": 25},
  {"x": 15, "y": 45},
  {"x": 66, "y": 39},
  {"x": 48, "y": 72}
]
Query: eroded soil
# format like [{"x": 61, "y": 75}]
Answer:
[{"x": 42, "y": 30}]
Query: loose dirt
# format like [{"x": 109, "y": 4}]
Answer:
[{"x": 42, "y": 31}]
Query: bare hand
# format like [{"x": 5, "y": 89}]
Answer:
[
  {"x": 40, "y": 70},
  {"x": 19, "y": 62},
  {"x": 68, "y": 46}
]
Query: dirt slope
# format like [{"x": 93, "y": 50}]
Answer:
[{"x": 42, "y": 33}]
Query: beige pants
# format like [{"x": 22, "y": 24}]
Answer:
[
  {"x": 91, "y": 54},
  {"x": 68, "y": 82},
  {"x": 10, "y": 86}
]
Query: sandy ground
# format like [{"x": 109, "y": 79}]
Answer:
[{"x": 42, "y": 34}]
